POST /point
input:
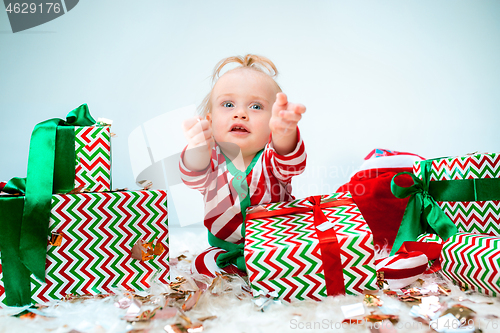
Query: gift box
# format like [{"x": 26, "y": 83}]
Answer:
[
  {"x": 309, "y": 248},
  {"x": 467, "y": 189},
  {"x": 90, "y": 243},
  {"x": 450, "y": 195},
  {"x": 93, "y": 158},
  {"x": 473, "y": 262},
  {"x": 429, "y": 238},
  {"x": 75, "y": 152}
]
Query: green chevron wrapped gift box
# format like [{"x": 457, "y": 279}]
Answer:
[
  {"x": 91, "y": 240},
  {"x": 473, "y": 262},
  {"x": 309, "y": 248},
  {"x": 467, "y": 188},
  {"x": 93, "y": 158}
]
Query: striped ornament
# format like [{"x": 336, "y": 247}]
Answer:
[
  {"x": 473, "y": 262},
  {"x": 473, "y": 216},
  {"x": 411, "y": 262},
  {"x": 401, "y": 270},
  {"x": 99, "y": 231},
  {"x": 93, "y": 158},
  {"x": 283, "y": 254}
]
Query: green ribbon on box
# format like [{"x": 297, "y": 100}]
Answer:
[
  {"x": 16, "y": 277},
  {"x": 51, "y": 169},
  {"x": 423, "y": 214}
]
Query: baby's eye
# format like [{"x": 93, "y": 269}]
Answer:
[
  {"x": 227, "y": 104},
  {"x": 256, "y": 107}
]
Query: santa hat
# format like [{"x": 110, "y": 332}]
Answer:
[{"x": 370, "y": 187}]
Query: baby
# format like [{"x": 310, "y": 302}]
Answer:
[{"x": 243, "y": 151}]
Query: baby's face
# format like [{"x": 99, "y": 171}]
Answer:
[{"x": 241, "y": 102}]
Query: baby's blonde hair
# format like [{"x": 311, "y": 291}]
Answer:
[{"x": 250, "y": 61}]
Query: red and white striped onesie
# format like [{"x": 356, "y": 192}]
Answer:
[{"x": 268, "y": 181}]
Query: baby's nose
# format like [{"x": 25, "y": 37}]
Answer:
[{"x": 239, "y": 113}]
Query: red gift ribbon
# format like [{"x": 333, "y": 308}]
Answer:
[{"x": 328, "y": 242}]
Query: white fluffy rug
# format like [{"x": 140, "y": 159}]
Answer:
[{"x": 230, "y": 308}]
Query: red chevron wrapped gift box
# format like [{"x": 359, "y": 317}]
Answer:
[
  {"x": 309, "y": 248},
  {"x": 93, "y": 158},
  {"x": 92, "y": 237},
  {"x": 473, "y": 262},
  {"x": 467, "y": 188}
]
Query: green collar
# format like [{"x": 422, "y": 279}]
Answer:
[
  {"x": 240, "y": 184},
  {"x": 235, "y": 171}
]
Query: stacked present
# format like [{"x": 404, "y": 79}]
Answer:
[
  {"x": 455, "y": 204},
  {"x": 309, "y": 248},
  {"x": 65, "y": 232},
  {"x": 467, "y": 189}
]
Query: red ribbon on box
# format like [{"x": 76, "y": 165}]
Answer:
[{"x": 328, "y": 242}]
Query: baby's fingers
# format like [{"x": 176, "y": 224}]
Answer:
[
  {"x": 196, "y": 128},
  {"x": 201, "y": 138},
  {"x": 297, "y": 108},
  {"x": 189, "y": 123},
  {"x": 290, "y": 116}
]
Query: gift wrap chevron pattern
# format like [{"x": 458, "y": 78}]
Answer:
[
  {"x": 429, "y": 238},
  {"x": 283, "y": 254},
  {"x": 98, "y": 233},
  {"x": 93, "y": 157},
  {"x": 473, "y": 262},
  {"x": 469, "y": 216}
]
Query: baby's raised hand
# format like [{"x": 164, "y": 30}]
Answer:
[
  {"x": 285, "y": 116},
  {"x": 198, "y": 132}
]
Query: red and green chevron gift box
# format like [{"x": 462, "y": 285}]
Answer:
[
  {"x": 476, "y": 176},
  {"x": 93, "y": 158},
  {"x": 309, "y": 248},
  {"x": 473, "y": 262},
  {"x": 98, "y": 232}
]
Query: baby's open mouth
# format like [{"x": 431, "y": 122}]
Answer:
[{"x": 239, "y": 129}]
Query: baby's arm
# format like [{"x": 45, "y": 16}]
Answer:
[
  {"x": 198, "y": 133},
  {"x": 283, "y": 124}
]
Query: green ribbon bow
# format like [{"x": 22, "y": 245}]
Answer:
[
  {"x": 422, "y": 213},
  {"x": 51, "y": 169},
  {"x": 234, "y": 254}
]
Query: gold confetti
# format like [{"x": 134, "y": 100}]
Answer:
[
  {"x": 175, "y": 328},
  {"x": 159, "y": 249},
  {"x": 381, "y": 279},
  {"x": 373, "y": 318},
  {"x": 76, "y": 190},
  {"x": 56, "y": 238},
  {"x": 29, "y": 315},
  {"x": 191, "y": 301},
  {"x": 372, "y": 300},
  {"x": 462, "y": 313},
  {"x": 353, "y": 321},
  {"x": 145, "y": 251}
]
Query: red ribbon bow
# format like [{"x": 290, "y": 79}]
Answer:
[{"x": 328, "y": 242}]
